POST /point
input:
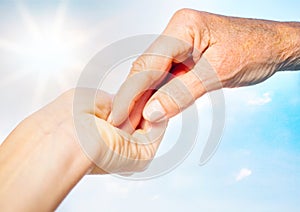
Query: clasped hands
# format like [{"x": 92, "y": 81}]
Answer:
[
  {"x": 89, "y": 131},
  {"x": 238, "y": 52}
]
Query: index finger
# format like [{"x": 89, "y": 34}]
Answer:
[{"x": 146, "y": 73}]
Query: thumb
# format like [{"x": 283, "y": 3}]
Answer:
[{"x": 181, "y": 91}]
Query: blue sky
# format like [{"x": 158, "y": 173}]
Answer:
[{"x": 256, "y": 167}]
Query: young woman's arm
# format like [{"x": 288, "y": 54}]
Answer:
[{"x": 50, "y": 151}]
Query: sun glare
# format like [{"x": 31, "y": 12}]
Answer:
[
  {"x": 46, "y": 55},
  {"x": 50, "y": 47}
]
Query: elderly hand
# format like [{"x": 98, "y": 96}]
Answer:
[{"x": 205, "y": 52}]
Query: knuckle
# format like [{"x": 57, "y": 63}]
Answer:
[
  {"x": 184, "y": 25},
  {"x": 187, "y": 14},
  {"x": 139, "y": 65},
  {"x": 144, "y": 69},
  {"x": 153, "y": 61},
  {"x": 183, "y": 12}
]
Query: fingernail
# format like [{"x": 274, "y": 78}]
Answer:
[{"x": 154, "y": 111}]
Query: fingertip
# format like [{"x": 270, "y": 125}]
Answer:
[
  {"x": 115, "y": 119},
  {"x": 154, "y": 111}
]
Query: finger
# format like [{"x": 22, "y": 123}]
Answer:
[
  {"x": 148, "y": 71},
  {"x": 181, "y": 92},
  {"x": 111, "y": 149},
  {"x": 134, "y": 87},
  {"x": 131, "y": 123},
  {"x": 120, "y": 152}
]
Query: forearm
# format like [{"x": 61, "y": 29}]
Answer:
[
  {"x": 38, "y": 170},
  {"x": 290, "y": 36}
]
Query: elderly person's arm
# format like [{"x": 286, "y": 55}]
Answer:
[{"x": 206, "y": 52}]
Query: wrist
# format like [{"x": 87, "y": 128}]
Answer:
[{"x": 34, "y": 160}]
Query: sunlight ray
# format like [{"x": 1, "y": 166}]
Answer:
[
  {"x": 13, "y": 77},
  {"x": 29, "y": 22},
  {"x": 59, "y": 18},
  {"x": 40, "y": 89},
  {"x": 50, "y": 47}
]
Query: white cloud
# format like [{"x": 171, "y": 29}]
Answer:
[
  {"x": 243, "y": 173},
  {"x": 266, "y": 98}
]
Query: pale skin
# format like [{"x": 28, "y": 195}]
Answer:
[{"x": 42, "y": 159}]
